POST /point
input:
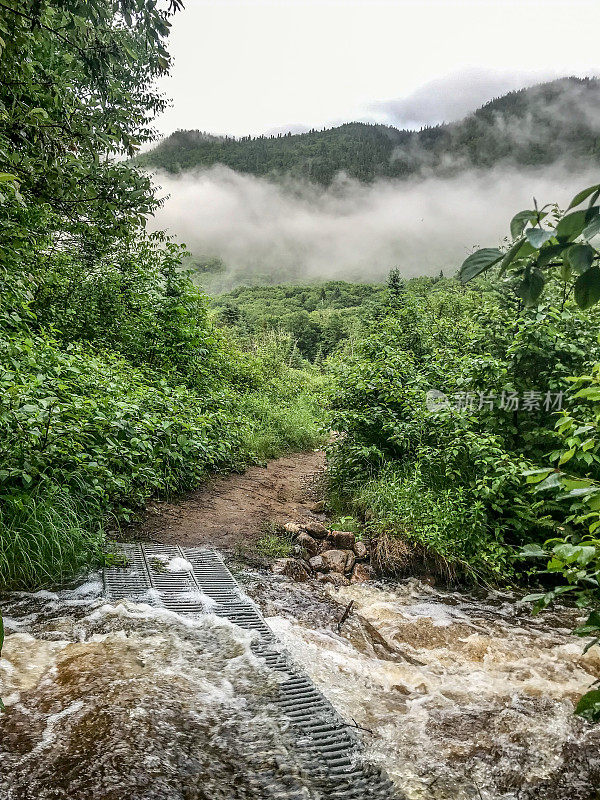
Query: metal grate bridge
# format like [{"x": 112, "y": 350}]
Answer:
[{"x": 330, "y": 750}]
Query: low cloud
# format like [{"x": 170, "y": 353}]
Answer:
[{"x": 293, "y": 231}]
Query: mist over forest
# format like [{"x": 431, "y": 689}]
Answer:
[
  {"x": 355, "y": 201},
  {"x": 294, "y": 231}
]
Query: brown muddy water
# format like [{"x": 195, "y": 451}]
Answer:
[{"x": 460, "y": 698}]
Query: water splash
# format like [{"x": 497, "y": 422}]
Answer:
[
  {"x": 460, "y": 699},
  {"x": 465, "y": 699},
  {"x": 133, "y": 701}
]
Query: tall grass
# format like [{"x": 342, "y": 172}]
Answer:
[
  {"x": 282, "y": 426},
  {"x": 423, "y": 526},
  {"x": 46, "y": 539}
]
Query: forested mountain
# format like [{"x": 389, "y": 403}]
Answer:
[{"x": 533, "y": 126}]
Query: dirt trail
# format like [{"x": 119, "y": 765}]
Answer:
[{"x": 231, "y": 511}]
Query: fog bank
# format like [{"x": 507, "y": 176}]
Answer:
[{"x": 279, "y": 232}]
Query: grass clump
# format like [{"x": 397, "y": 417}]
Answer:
[
  {"x": 47, "y": 540},
  {"x": 282, "y": 426},
  {"x": 276, "y": 542}
]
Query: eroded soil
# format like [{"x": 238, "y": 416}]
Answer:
[{"x": 232, "y": 512}]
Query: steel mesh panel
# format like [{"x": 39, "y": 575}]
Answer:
[{"x": 331, "y": 752}]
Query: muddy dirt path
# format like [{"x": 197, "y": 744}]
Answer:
[{"x": 230, "y": 512}]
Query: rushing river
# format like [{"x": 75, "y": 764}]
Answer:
[{"x": 460, "y": 699}]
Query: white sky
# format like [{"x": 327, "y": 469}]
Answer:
[{"x": 250, "y": 66}]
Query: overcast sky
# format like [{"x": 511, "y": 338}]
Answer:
[{"x": 252, "y": 66}]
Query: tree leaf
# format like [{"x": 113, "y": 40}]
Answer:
[
  {"x": 566, "y": 457},
  {"x": 551, "y": 482},
  {"x": 588, "y": 706},
  {"x": 587, "y": 288},
  {"x": 532, "y": 551},
  {"x": 583, "y": 195},
  {"x": 538, "y": 236},
  {"x": 478, "y": 262},
  {"x": 580, "y": 256},
  {"x": 571, "y": 226},
  {"x": 547, "y": 254},
  {"x": 519, "y": 249},
  {"x": 531, "y": 287},
  {"x": 591, "y": 625},
  {"x": 593, "y": 228},
  {"x": 519, "y": 221}
]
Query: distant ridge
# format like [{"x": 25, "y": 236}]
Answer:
[{"x": 530, "y": 127}]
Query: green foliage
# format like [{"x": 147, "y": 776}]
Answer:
[
  {"x": 115, "y": 383},
  {"x": 47, "y": 537},
  {"x": 448, "y": 481},
  {"x": 562, "y": 252},
  {"x": 275, "y": 543},
  {"x": 573, "y": 559},
  {"x": 442, "y": 519},
  {"x": 278, "y": 426},
  {"x": 534, "y": 126},
  {"x": 318, "y": 318}
]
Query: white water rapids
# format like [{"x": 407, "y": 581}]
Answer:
[{"x": 460, "y": 698}]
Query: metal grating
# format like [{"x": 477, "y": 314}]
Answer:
[{"x": 330, "y": 749}]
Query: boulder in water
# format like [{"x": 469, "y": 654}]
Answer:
[
  {"x": 338, "y": 560},
  {"x": 291, "y": 568}
]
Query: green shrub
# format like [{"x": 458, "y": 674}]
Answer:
[
  {"x": 278, "y": 427},
  {"x": 446, "y": 530},
  {"x": 450, "y": 481}
]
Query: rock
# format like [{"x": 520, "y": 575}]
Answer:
[
  {"x": 342, "y": 539},
  {"x": 334, "y": 578},
  {"x": 319, "y": 507},
  {"x": 360, "y": 550},
  {"x": 308, "y": 544},
  {"x": 316, "y": 563},
  {"x": 291, "y": 568},
  {"x": 337, "y": 560},
  {"x": 316, "y": 529},
  {"x": 361, "y": 573},
  {"x": 292, "y": 527}
]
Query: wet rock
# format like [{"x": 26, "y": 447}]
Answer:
[
  {"x": 342, "y": 539},
  {"x": 334, "y": 578},
  {"x": 337, "y": 560},
  {"x": 308, "y": 544},
  {"x": 360, "y": 550},
  {"x": 291, "y": 568},
  {"x": 292, "y": 527},
  {"x": 319, "y": 507},
  {"x": 316, "y": 563},
  {"x": 362, "y": 573},
  {"x": 316, "y": 529}
]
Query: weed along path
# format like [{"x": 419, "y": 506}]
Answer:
[{"x": 233, "y": 512}]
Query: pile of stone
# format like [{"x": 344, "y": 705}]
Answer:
[{"x": 329, "y": 556}]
